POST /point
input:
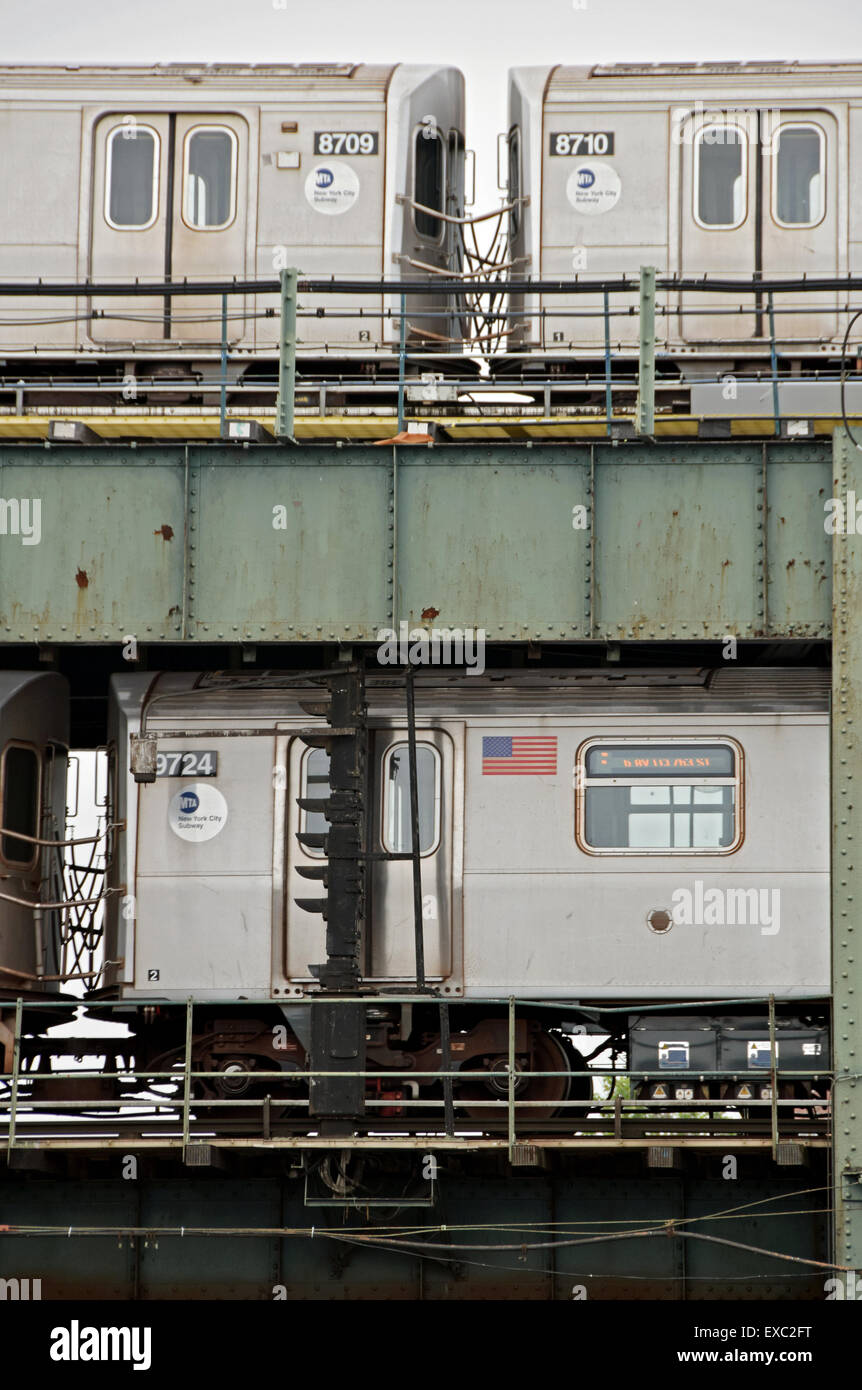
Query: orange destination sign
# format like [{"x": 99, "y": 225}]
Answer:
[{"x": 666, "y": 760}]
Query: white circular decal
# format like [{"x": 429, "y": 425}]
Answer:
[
  {"x": 197, "y": 812},
  {"x": 593, "y": 187},
  {"x": 332, "y": 187}
]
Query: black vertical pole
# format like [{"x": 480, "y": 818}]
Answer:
[
  {"x": 338, "y": 1026},
  {"x": 167, "y": 327},
  {"x": 446, "y": 1063},
  {"x": 758, "y": 223},
  {"x": 414, "y": 832}
]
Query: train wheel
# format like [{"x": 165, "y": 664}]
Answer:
[{"x": 551, "y": 1053}]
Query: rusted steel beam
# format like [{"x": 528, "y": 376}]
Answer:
[{"x": 846, "y": 848}]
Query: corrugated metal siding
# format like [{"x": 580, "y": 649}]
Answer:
[{"x": 563, "y": 695}]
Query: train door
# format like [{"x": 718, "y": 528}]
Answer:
[
  {"x": 128, "y": 239},
  {"x": 306, "y": 775},
  {"x": 169, "y": 202},
  {"x": 800, "y": 217},
  {"x": 389, "y": 941},
  {"x": 392, "y": 953},
  {"x": 757, "y": 196},
  {"x": 429, "y": 239},
  {"x": 719, "y": 213}
]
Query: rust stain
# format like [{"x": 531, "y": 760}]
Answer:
[
  {"x": 428, "y": 613},
  {"x": 790, "y": 564},
  {"x": 725, "y": 563},
  {"x": 82, "y": 579},
  {"x": 406, "y": 438},
  {"x": 175, "y": 609},
  {"x": 166, "y": 532}
]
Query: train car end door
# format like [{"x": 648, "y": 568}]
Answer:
[{"x": 388, "y": 945}]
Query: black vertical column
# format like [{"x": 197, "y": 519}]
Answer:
[{"x": 338, "y": 1026}]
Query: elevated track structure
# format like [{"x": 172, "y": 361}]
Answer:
[{"x": 582, "y": 513}]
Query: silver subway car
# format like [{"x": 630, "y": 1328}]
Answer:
[
  {"x": 220, "y": 171},
  {"x": 34, "y": 747},
  {"x": 604, "y": 839},
  {"x": 726, "y": 170}
]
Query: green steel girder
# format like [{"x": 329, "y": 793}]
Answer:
[
  {"x": 286, "y": 356},
  {"x": 846, "y": 868},
  {"x": 645, "y": 414},
  {"x": 210, "y": 542},
  {"x": 479, "y": 1203}
]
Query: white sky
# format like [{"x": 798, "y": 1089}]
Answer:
[{"x": 482, "y": 37}]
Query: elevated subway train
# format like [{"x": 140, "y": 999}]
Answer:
[
  {"x": 726, "y": 170},
  {"x": 221, "y": 171},
  {"x": 593, "y": 843}
]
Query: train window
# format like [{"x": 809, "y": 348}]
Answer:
[
  {"x": 797, "y": 183},
  {"x": 428, "y": 181},
  {"x": 396, "y": 837},
  {"x": 720, "y": 163},
  {"x": 132, "y": 177},
  {"x": 514, "y": 186},
  {"x": 315, "y": 782},
  {"x": 209, "y": 178},
  {"x": 659, "y": 797},
  {"x": 20, "y": 802}
]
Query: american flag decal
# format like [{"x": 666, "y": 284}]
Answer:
[{"x": 524, "y": 755}]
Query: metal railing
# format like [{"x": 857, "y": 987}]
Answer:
[
  {"x": 495, "y": 326},
  {"x": 279, "y": 1117}
]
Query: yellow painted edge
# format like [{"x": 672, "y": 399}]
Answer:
[{"x": 509, "y": 428}]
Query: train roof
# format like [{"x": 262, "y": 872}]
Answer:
[
  {"x": 743, "y": 69},
  {"x": 558, "y": 82},
  {"x": 182, "y": 699},
  {"x": 14, "y": 683},
  {"x": 34, "y": 706},
  {"x": 293, "y": 76}
]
